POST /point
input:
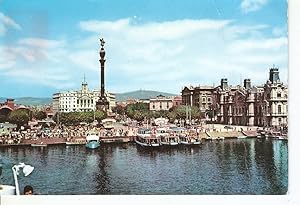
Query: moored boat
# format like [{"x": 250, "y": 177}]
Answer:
[
  {"x": 189, "y": 140},
  {"x": 146, "y": 138},
  {"x": 242, "y": 137},
  {"x": 92, "y": 140},
  {"x": 279, "y": 135},
  {"x": 167, "y": 136},
  {"x": 41, "y": 144}
]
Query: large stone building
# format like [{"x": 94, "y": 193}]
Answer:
[
  {"x": 80, "y": 101},
  {"x": 201, "y": 97},
  {"x": 161, "y": 102},
  {"x": 242, "y": 105}
]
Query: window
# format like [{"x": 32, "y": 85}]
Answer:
[
  {"x": 279, "y": 95},
  {"x": 208, "y": 99},
  {"x": 153, "y": 106},
  {"x": 203, "y": 99},
  {"x": 279, "y": 109}
]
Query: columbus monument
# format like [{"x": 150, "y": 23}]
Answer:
[{"x": 102, "y": 103}]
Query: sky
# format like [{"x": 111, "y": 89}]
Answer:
[{"x": 163, "y": 45}]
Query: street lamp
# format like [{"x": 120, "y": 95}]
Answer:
[{"x": 27, "y": 169}]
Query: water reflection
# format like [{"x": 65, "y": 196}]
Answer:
[{"x": 245, "y": 166}]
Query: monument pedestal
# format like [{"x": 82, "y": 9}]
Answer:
[{"x": 102, "y": 104}]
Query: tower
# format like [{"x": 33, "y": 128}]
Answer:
[
  {"x": 274, "y": 75},
  {"x": 102, "y": 103}
]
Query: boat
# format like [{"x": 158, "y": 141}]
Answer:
[
  {"x": 167, "y": 136},
  {"x": 41, "y": 144},
  {"x": 186, "y": 137},
  {"x": 92, "y": 140},
  {"x": 242, "y": 137},
  {"x": 146, "y": 138},
  {"x": 76, "y": 141},
  {"x": 189, "y": 140},
  {"x": 279, "y": 136}
]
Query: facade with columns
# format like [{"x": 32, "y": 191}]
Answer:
[
  {"x": 201, "y": 97},
  {"x": 160, "y": 103},
  {"x": 82, "y": 100},
  {"x": 243, "y": 105}
]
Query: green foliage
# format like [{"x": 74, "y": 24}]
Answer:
[
  {"x": 138, "y": 111},
  {"x": 181, "y": 112},
  {"x": 73, "y": 118},
  {"x": 19, "y": 117},
  {"x": 39, "y": 115},
  {"x": 119, "y": 109},
  {"x": 3, "y": 118}
]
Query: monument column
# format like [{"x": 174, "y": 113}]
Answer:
[{"x": 102, "y": 103}]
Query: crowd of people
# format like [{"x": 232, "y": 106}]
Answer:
[{"x": 66, "y": 132}]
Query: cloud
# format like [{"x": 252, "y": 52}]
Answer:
[
  {"x": 41, "y": 43},
  {"x": 252, "y": 5},
  {"x": 6, "y": 22},
  {"x": 156, "y": 55}
]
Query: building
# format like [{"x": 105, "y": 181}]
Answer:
[
  {"x": 82, "y": 100},
  {"x": 242, "y": 105},
  {"x": 177, "y": 100},
  {"x": 201, "y": 97},
  {"x": 275, "y": 96},
  {"x": 160, "y": 103}
]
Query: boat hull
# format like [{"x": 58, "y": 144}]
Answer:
[
  {"x": 73, "y": 143},
  {"x": 147, "y": 144},
  {"x": 92, "y": 145},
  {"x": 169, "y": 143},
  {"x": 38, "y": 145}
]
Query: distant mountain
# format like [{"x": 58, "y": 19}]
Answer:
[
  {"x": 30, "y": 101},
  {"x": 140, "y": 94}
]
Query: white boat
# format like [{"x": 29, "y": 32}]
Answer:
[
  {"x": 41, "y": 144},
  {"x": 167, "y": 136},
  {"x": 75, "y": 143},
  {"x": 242, "y": 137},
  {"x": 279, "y": 135},
  {"x": 189, "y": 140},
  {"x": 92, "y": 140},
  {"x": 146, "y": 138},
  {"x": 188, "y": 137}
]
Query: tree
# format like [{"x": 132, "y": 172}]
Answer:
[
  {"x": 135, "y": 111},
  {"x": 119, "y": 109},
  {"x": 19, "y": 117},
  {"x": 73, "y": 118},
  {"x": 3, "y": 118},
  {"x": 39, "y": 115}
]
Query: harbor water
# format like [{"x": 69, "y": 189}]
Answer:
[{"x": 233, "y": 166}]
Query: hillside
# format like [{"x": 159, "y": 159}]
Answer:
[
  {"x": 30, "y": 100},
  {"x": 140, "y": 94}
]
